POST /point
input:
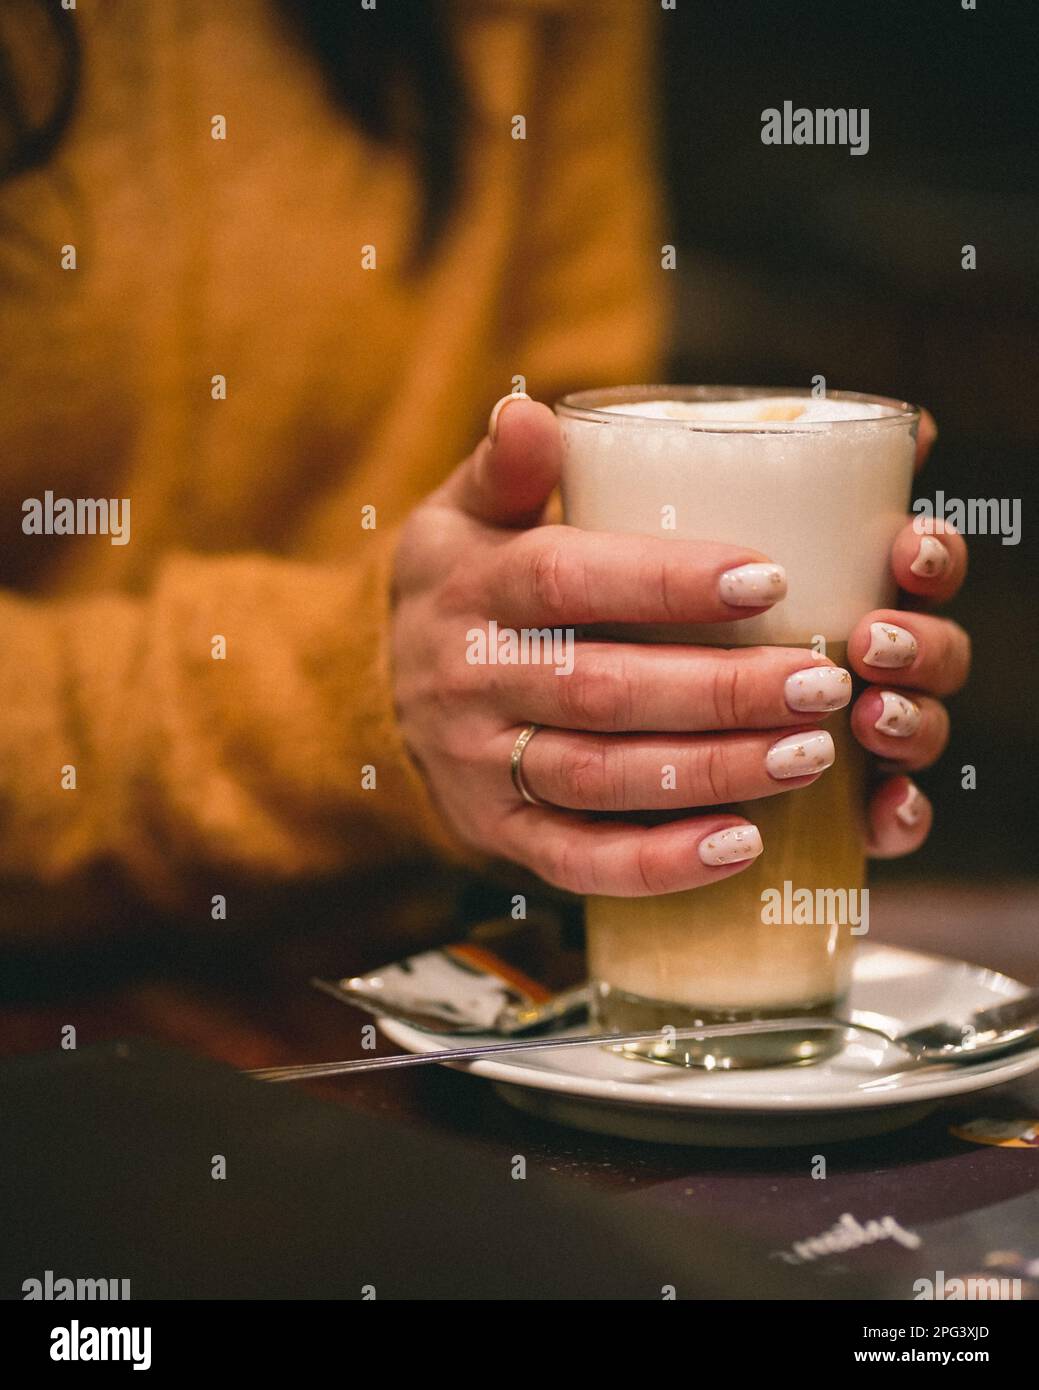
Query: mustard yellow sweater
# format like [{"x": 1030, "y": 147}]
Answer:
[{"x": 346, "y": 387}]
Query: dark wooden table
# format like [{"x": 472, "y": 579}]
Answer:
[
  {"x": 251, "y": 1006},
  {"x": 244, "y": 999}
]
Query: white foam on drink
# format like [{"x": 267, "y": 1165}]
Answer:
[
  {"x": 759, "y": 412},
  {"x": 822, "y": 492}
]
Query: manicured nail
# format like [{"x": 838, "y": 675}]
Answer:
[
  {"x": 890, "y": 646},
  {"x": 492, "y": 423},
  {"x": 753, "y": 586},
  {"x": 799, "y": 755},
  {"x": 912, "y": 808},
  {"x": 731, "y": 846},
  {"x": 899, "y": 717},
  {"x": 818, "y": 688},
  {"x": 932, "y": 558}
]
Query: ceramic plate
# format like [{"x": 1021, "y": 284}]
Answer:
[{"x": 865, "y": 1089}]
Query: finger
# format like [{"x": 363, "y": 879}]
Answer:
[
  {"x": 644, "y": 772},
  {"x": 617, "y": 687},
  {"x": 908, "y": 731},
  {"x": 509, "y": 476},
  {"x": 560, "y": 576},
  {"x": 926, "y": 434},
  {"x": 629, "y": 861},
  {"x": 900, "y": 818},
  {"x": 929, "y": 559},
  {"x": 911, "y": 649}
]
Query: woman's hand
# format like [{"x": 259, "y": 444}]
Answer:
[
  {"x": 910, "y": 657},
  {"x": 479, "y": 550}
]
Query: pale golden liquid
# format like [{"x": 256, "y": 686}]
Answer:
[{"x": 706, "y": 956}]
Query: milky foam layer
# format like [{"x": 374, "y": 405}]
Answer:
[
  {"x": 769, "y": 412},
  {"x": 824, "y": 499}
]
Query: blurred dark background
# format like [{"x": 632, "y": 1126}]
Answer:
[{"x": 799, "y": 260}]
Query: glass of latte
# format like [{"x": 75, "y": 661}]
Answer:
[{"x": 820, "y": 486}]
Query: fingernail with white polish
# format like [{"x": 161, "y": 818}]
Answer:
[
  {"x": 753, "y": 586},
  {"x": 818, "y": 688},
  {"x": 799, "y": 755},
  {"x": 731, "y": 846},
  {"x": 932, "y": 559},
  {"x": 899, "y": 716},
  {"x": 890, "y": 646},
  {"x": 492, "y": 423},
  {"x": 911, "y": 811}
]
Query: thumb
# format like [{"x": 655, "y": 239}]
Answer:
[{"x": 511, "y": 473}]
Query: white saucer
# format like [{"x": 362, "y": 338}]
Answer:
[{"x": 862, "y": 1091}]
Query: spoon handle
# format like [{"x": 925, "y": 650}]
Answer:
[
  {"x": 1022, "y": 1012},
  {"x": 476, "y": 1050}
]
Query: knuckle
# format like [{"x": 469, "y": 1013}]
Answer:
[
  {"x": 711, "y": 773},
  {"x": 728, "y": 692},
  {"x": 450, "y": 684},
  {"x": 459, "y": 588},
  {"x": 650, "y": 868},
  {"x": 445, "y": 707},
  {"x": 661, "y": 580},
  {"x": 456, "y": 741},
  {"x": 590, "y": 776},
  {"x": 550, "y": 578},
  {"x": 565, "y": 867},
  {"x": 447, "y": 731},
  {"x": 591, "y": 697}
]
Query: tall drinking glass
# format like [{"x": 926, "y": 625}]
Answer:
[{"x": 820, "y": 487}]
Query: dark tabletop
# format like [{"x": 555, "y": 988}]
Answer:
[{"x": 250, "y": 1005}]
